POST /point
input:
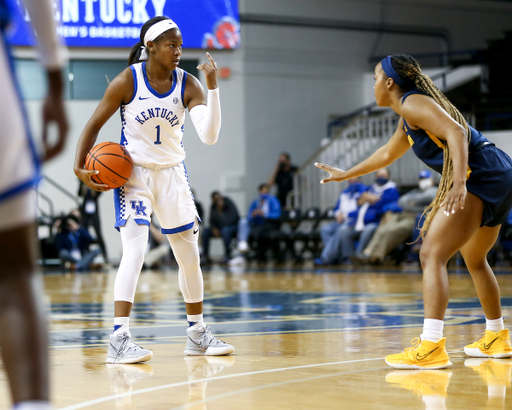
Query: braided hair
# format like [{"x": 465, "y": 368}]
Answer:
[
  {"x": 137, "y": 48},
  {"x": 409, "y": 71}
]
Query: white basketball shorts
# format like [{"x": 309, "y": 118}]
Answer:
[
  {"x": 19, "y": 168},
  {"x": 164, "y": 191}
]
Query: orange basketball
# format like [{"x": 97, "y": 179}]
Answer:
[{"x": 113, "y": 161}]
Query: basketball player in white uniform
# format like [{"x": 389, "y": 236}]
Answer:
[
  {"x": 153, "y": 94},
  {"x": 23, "y": 340}
]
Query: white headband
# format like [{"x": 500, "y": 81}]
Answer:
[{"x": 153, "y": 32}]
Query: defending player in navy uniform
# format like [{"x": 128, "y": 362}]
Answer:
[
  {"x": 153, "y": 94},
  {"x": 473, "y": 200},
  {"x": 23, "y": 339}
]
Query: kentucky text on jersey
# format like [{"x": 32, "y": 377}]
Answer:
[{"x": 157, "y": 112}]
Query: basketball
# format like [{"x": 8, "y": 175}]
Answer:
[{"x": 113, "y": 161}]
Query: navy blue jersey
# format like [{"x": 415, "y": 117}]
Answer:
[{"x": 489, "y": 173}]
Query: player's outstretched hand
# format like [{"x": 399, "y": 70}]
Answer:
[
  {"x": 53, "y": 111},
  {"x": 86, "y": 177},
  {"x": 335, "y": 174},
  {"x": 210, "y": 72}
]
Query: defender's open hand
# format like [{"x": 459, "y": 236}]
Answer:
[{"x": 335, "y": 174}]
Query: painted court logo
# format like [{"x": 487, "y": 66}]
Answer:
[{"x": 139, "y": 209}]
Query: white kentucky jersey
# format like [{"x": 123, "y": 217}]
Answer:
[{"x": 153, "y": 122}]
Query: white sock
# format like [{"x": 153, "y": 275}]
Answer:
[
  {"x": 194, "y": 320},
  {"x": 494, "y": 324},
  {"x": 32, "y": 405},
  {"x": 121, "y": 324},
  {"x": 432, "y": 330}
]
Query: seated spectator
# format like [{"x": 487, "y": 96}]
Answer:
[
  {"x": 283, "y": 177},
  {"x": 72, "y": 243},
  {"x": 260, "y": 225},
  {"x": 399, "y": 221},
  {"x": 371, "y": 205},
  {"x": 347, "y": 203},
  {"x": 224, "y": 219}
]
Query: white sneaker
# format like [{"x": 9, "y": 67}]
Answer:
[
  {"x": 123, "y": 350},
  {"x": 201, "y": 342},
  {"x": 243, "y": 246}
]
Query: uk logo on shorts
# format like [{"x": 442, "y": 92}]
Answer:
[{"x": 139, "y": 209}]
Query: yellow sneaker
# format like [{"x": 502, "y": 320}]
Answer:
[
  {"x": 494, "y": 372},
  {"x": 424, "y": 354},
  {"x": 422, "y": 383},
  {"x": 492, "y": 344}
]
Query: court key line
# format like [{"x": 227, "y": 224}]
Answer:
[{"x": 229, "y": 376}]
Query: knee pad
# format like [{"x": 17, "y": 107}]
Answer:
[
  {"x": 135, "y": 240},
  {"x": 186, "y": 252}
]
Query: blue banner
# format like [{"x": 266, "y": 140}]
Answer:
[{"x": 117, "y": 23}]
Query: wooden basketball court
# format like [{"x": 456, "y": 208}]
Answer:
[{"x": 304, "y": 338}]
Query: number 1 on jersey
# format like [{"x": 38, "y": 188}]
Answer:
[{"x": 158, "y": 135}]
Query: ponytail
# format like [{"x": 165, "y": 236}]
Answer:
[
  {"x": 409, "y": 71},
  {"x": 135, "y": 53}
]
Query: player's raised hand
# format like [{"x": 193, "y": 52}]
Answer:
[
  {"x": 53, "y": 111},
  {"x": 335, "y": 174},
  {"x": 210, "y": 72},
  {"x": 86, "y": 177}
]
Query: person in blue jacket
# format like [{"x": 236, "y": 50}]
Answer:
[
  {"x": 347, "y": 202},
  {"x": 72, "y": 243},
  {"x": 263, "y": 220},
  {"x": 365, "y": 219}
]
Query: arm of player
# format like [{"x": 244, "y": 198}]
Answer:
[
  {"x": 423, "y": 112},
  {"x": 396, "y": 147},
  {"x": 118, "y": 91},
  {"x": 204, "y": 112},
  {"x": 53, "y": 56}
]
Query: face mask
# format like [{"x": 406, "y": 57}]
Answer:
[
  {"x": 381, "y": 181},
  {"x": 263, "y": 196},
  {"x": 425, "y": 183}
]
